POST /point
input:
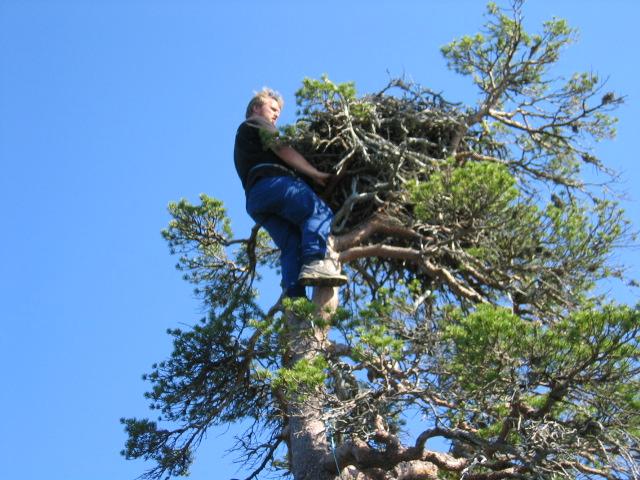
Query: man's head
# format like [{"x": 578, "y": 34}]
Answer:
[{"x": 267, "y": 104}]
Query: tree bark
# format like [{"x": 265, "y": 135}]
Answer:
[{"x": 308, "y": 445}]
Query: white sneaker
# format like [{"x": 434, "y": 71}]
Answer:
[{"x": 322, "y": 273}]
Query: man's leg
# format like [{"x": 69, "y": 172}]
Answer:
[
  {"x": 287, "y": 238},
  {"x": 314, "y": 217},
  {"x": 292, "y": 200},
  {"x": 263, "y": 203}
]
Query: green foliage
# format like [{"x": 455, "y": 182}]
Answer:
[
  {"x": 488, "y": 56},
  {"x": 512, "y": 70},
  {"x": 202, "y": 237},
  {"x": 489, "y": 346},
  {"x": 376, "y": 342},
  {"x": 604, "y": 341},
  {"x": 146, "y": 441},
  {"x": 305, "y": 377},
  {"x": 302, "y": 308},
  {"x": 582, "y": 239},
  {"x": 582, "y": 368},
  {"x": 372, "y": 332},
  {"x": 324, "y": 95},
  {"x": 205, "y": 225},
  {"x": 205, "y": 381},
  {"x": 472, "y": 191}
]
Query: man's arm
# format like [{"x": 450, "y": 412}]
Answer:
[{"x": 296, "y": 161}]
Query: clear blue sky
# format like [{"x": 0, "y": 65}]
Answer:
[{"x": 111, "y": 109}]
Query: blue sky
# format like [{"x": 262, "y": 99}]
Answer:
[{"x": 111, "y": 109}]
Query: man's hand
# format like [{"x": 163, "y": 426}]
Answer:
[
  {"x": 322, "y": 178},
  {"x": 292, "y": 158}
]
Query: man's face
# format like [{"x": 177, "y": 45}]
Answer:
[{"x": 269, "y": 110}]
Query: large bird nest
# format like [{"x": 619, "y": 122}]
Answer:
[{"x": 375, "y": 145}]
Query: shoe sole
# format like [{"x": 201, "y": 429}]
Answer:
[{"x": 317, "y": 281}]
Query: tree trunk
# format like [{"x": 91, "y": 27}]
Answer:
[{"x": 308, "y": 445}]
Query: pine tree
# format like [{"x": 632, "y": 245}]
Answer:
[{"x": 473, "y": 248}]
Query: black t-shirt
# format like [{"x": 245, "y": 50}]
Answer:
[{"x": 252, "y": 154}]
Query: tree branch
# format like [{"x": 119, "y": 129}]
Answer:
[{"x": 377, "y": 224}]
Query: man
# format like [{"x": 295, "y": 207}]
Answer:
[{"x": 297, "y": 220}]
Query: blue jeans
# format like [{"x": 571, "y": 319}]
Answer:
[{"x": 297, "y": 220}]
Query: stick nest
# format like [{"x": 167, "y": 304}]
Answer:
[{"x": 375, "y": 145}]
